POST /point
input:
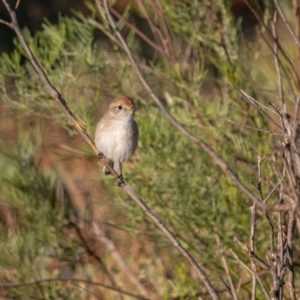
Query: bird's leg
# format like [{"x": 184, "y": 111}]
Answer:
[
  {"x": 119, "y": 180},
  {"x": 118, "y": 168}
]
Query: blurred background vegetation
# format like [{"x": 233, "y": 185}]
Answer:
[{"x": 60, "y": 217}]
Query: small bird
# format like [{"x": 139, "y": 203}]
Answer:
[{"x": 116, "y": 135}]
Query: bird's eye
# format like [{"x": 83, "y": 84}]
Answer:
[{"x": 120, "y": 107}]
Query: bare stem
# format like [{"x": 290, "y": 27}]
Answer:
[
  {"x": 283, "y": 17},
  {"x": 252, "y": 236},
  {"x": 21, "y": 284},
  {"x": 263, "y": 288},
  {"x": 202, "y": 144},
  {"x": 126, "y": 188},
  {"x": 291, "y": 271}
]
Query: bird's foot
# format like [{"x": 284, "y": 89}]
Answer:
[
  {"x": 99, "y": 156},
  {"x": 119, "y": 180}
]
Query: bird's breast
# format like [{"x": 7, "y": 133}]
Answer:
[{"x": 117, "y": 141}]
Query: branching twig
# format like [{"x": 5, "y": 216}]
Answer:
[
  {"x": 97, "y": 258},
  {"x": 252, "y": 255},
  {"x": 283, "y": 17},
  {"x": 140, "y": 33},
  {"x": 216, "y": 158},
  {"x": 232, "y": 290},
  {"x": 226, "y": 286},
  {"x": 52, "y": 90},
  {"x": 277, "y": 65},
  {"x": 21, "y": 284},
  {"x": 192, "y": 261},
  {"x": 271, "y": 232},
  {"x": 126, "y": 188},
  {"x": 250, "y": 127},
  {"x": 269, "y": 32},
  {"x": 252, "y": 249},
  {"x": 288, "y": 164},
  {"x": 263, "y": 288},
  {"x": 97, "y": 233},
  {"x": 291, "y": 271},
  {"x": 251, "y": 101}
]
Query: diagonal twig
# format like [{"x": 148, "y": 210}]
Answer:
[
  {"x": 263, "y": 288},
  {"x": 216, "y": 158},
  {"x": 252, "y": 248},
  {"x": 140, "y": 33},
  {"x": 269, "y": 33},
  {"x": 176, "y": 243},
  {"x": 21, "y": 284},
  {"x": 250, "y": 127},
  {"x": 231, "y": 288},
  {"x": 202, "y": 144},
  {"x": 125, "y": 187},
  {"x": 291, "y": 266},
  {"x": 250, "y": 100},
  {"x": 283, "y": 17}
]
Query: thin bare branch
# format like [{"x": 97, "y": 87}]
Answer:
[
  {"x": 275, "y": 111},
  {"x": 152, "y": 25},
  {"x": 126, "y": 188},
  {"x": 34, "y": 282},
  {"x": 251, "y": 254},
  {"x": 226, "y": 286},
  {"x": 6, "y": 23},
  {"x": 102, "y": 266},
  {"x": 165, "y": 28},
  {"x": 263, "y": 288},
  {"x": 250, "y": 100},
  {"x": 52, "y": 90},
  {"x": 94, "y": 231},
  {"x": 17, "y": 4},
  {"x": 271, "y": 232},
  {"x": 277, "y": 65},
  {"x": 252, "y": 249},
  {"x": 291, "y": 85},
  {"x": 290, "y": 249},
  {"x": 279, "y": 222},
  {"x": 86, "y": 290},
  {"x": 175, "y": 242},
  {"x": 99, "y": 234},
  {"x": 269, "y": 32},
  {"x": 291, "y": 178},
  {"x": 283, "y": 17},
  {"x": 140, "y": 34},
  {"x": 250, "y": 127},
  {"x": 271, "y": 192},
  {"x": 232, "y": 290},
  {"x": 216, "y": 158}
]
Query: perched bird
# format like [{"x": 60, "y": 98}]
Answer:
[{"x": 116, "y": 135}]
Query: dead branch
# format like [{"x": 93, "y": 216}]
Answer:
[
  {"x": 125, "y": 187},
  {"x": 215, "y": 157},
  {"x": 34, "y": 282}
]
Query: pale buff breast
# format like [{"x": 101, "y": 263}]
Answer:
[{"x": 118, "y": 142}]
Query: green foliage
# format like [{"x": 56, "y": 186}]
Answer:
[
  {"x": 177, "y": 179},
  {"x": 28, "y": 194}
]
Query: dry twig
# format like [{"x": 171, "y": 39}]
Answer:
[
  {"x": 263, "y": 288},
  {"x": 125, "y": 187},
  {"x": 21, "y": 284},
  {"x": 283, "y": 17},
  {"x": 215, "y": 157},
  {"x": 231, "y": 289},
  {"x": 250, "y": 127}
]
